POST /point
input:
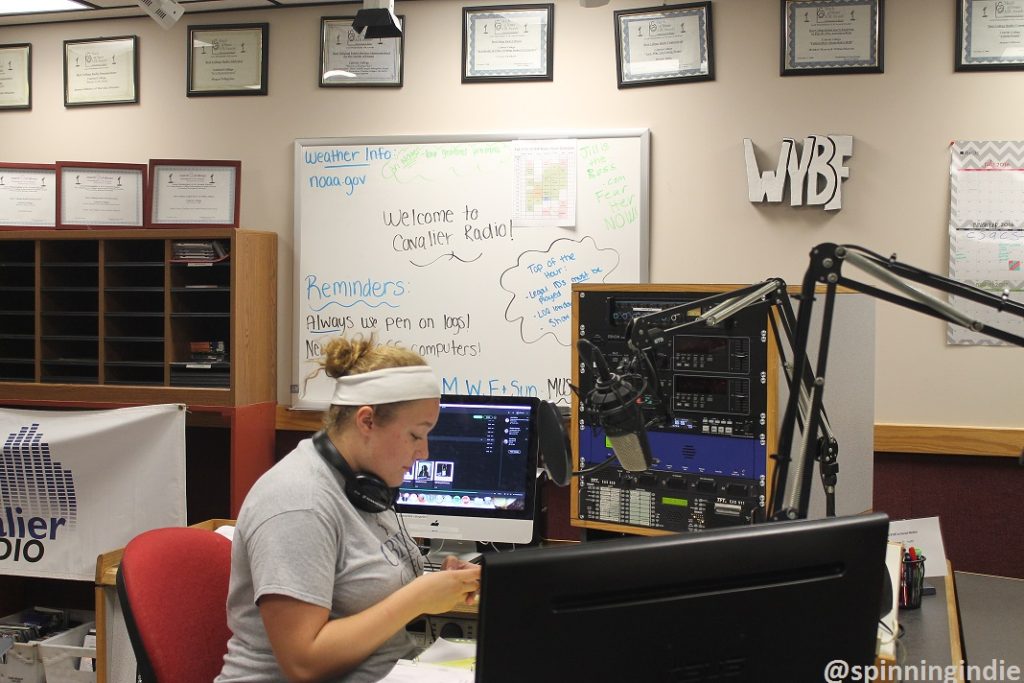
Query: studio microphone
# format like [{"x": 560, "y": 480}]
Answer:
[{"x": 614, "y": 401}]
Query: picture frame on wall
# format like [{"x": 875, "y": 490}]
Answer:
[
  {"x": 832, "y": 37},
  {"x": 349, "y": 60},
  {"x": 185, "y": 193},
  {"x": 508, "y": 43},
  {"x": 16, "y": 76},
  {"x": 661, "y": 45},
  {"x": 101, "y": 71},
  {"x": 989, "y": 35},
  {"x": 28, "y": 196},
  {"x": 100, "y": 195},
  {"x": 227, "y": 60}
]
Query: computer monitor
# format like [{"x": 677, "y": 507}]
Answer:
[
  {"x": 479, "y": 483},
  {"x": 768, "y": 602}
]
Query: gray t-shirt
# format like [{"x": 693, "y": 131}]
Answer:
[{"x": 298, "y": 535}]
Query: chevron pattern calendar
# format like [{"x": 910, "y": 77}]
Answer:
[{"x": 986, "y": 230}]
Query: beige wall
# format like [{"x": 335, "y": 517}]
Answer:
[{"x": 703, "y": 229}]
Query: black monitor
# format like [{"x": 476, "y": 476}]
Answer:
[
  {"x": 479, "y": 481},
  {"x": 769, "y": 602}
]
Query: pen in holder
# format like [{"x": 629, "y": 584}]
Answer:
[{"x": 911, "y": 579}]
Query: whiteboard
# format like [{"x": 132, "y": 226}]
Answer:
[{"x": 463, "y": 248}]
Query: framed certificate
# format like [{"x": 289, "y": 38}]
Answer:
[
  {"x": 99, "y": 195},
  {"x": 28, "y": 196},
  {"x": 227, "y": 60},
  {"x": 186, "y": 193},
  {"x": 831, "y": 37},
  {"x": 16, "y": 76},
  {"x": 508, "y": 43},
  {"x": 348, "y": 59},
  {"x": 101, "y": 71},
  {"x": 989, "y": 35},
  {"x": 668, "y": 44}
]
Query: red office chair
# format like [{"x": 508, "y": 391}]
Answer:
[{"x": 173, "y": 587}]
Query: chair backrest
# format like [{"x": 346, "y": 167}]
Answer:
[{"x": 173, "y": 587}]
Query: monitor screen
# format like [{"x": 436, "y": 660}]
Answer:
[
  {"x": 479, "y": 482},
  {"x": 768, "y": 602}
]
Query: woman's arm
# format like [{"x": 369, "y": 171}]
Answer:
[{"x": 309, "y": 646}]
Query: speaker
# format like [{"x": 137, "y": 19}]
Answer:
[
  {"x": 451, "y": 627},
  {"x": 367, "y": 492}
]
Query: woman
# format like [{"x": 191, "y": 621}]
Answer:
[{"x": 323, "y": 576}]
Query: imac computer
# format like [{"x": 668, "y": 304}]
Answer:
[
  {"x": 479, "y": 483},
  {"x": 768, "y": 602}
]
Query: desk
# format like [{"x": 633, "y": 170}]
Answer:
[
  {"x": 992, "y": 613},
  {"x": 932, "y": 633}
]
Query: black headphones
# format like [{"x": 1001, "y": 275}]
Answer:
[{"x": 367, "y": 492}]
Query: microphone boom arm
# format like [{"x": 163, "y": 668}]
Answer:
[{"x": 789, "y": 498}]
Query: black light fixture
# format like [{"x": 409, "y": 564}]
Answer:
[{"x": 377, "y": 20}]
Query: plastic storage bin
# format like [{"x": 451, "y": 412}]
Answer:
[
  {"x": 62, "y": 653},
  {"x": 24, "y": 661}
]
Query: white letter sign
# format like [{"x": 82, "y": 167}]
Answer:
[{"x": 820, "y": 167}]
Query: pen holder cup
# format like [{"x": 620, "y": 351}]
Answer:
[{"x": 911, "y": 583}]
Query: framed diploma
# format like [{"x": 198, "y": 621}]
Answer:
[
  {"x": 101, "y": 71},
  {"x": 831, "y": 37},
  {"x": 508, "y": 43},
  {"x": 28, "y": 196},
  {"x": 348, "y": 59},
  {"x": 989, "y": 35},
  {"x": 185, "y": 193},
  {"x": 16, "y": 76},
  {"x": 98, "y": 195},
  {"x": 227, "y": 60},
  {"x": 667, "y": 44}
]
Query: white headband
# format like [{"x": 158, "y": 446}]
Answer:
[{"x": 389, "y": 385}]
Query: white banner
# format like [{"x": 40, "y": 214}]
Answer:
[{"x": 77, "y": 484}]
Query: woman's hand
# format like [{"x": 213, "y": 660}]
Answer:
[
  {"x": 453, "y": 562},
  {"x": 456, "y": 583}
]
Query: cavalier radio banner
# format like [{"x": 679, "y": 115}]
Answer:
[{"x": 74, "y": 485}]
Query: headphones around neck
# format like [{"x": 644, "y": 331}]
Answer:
[{"x": 367, "y": 492}]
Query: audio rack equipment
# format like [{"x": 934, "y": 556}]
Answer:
[{"x": 713, "y": 405}]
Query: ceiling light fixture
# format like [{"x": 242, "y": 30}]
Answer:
[
  {"x": 377, "y": 20},
  {"x": 164, "y": 12}
]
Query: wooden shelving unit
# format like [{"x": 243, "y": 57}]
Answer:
[{"x": 106, "y": 318}]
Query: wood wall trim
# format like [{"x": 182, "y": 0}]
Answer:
[
  {"x": 889, "y": 438},
  {"x": 944, "y": 440}
]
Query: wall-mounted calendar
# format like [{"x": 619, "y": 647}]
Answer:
[{"x": 986, "y": 230}]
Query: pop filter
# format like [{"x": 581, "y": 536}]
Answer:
[{"x": 554, "y": 444}]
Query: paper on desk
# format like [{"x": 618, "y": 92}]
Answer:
[
  {"x": 888, "y": 625},
  {"x": 408, "y": 671},
  {"x": 451, "y": 661},
  {"x": 925, "y": 535},
  {"x": 459, "y": 653}
]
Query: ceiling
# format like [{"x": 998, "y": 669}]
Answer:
[{"x": 109, "y": 9}]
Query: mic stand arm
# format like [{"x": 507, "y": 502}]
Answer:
[
  {"x": 824, "y": 446},
  {"x": 792, "y": 481}
]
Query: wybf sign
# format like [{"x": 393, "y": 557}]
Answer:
[{"x": 819, "y": 168}]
